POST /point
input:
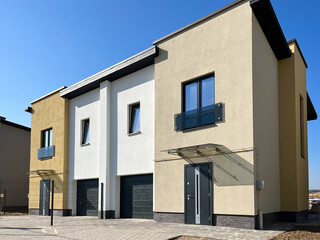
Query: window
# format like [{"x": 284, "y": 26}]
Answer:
[
  {"x": 198, "y": 93},
  {"x": 134, "y": 124},
  {"x": 46, "y": 138},
  {"x": 85, "y": 128},
  {"x": 198, "y": 105},
  {"x": 302, "y": 128}
]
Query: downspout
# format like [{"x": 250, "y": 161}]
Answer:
[{"x": 259, "y": 185}]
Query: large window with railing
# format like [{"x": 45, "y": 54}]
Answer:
[
  {"x": 47, "y": 148},
  {"x": 198, "y": 104}
]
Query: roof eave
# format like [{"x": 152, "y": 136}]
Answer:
[
  {"x": 12, "y": 124},
  {"x": 47, "y": 95},
  {"x": 126, "y": 67},
  {"x": 311, "y": 111},
  {"x": 270, "y": 25},
  {"x": 297, "y": 44}
]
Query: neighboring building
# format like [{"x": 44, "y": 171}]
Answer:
[
  {"x": 49, "y": 154},
  {"x": 14, "y": 166},
  {"x": 208, "y": 126}
]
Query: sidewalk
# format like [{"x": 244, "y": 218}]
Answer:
[{"x": 38, "y": 227}]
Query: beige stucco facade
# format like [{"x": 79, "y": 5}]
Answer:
[
  {"x": 265, "y": 120},
  {"x": 50, "y": 112},
  {"x": 221, "y": 45},
  {"x": 293, "y": 166},
  {"x": 261, "y": 97}
]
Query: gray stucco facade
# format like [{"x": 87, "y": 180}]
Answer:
[{"x": 14, "y": 165}]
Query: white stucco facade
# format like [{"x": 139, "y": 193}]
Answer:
[{"x": 112, "y": 152}]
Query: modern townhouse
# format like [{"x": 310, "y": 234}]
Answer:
[
  {"x": 208, "y": 126},
  {"x": 231, "y": 111},
  {"x": 49, "y": 154},
  {"x": 111, "y": 140},
  {"x": 14, "y": 166}
]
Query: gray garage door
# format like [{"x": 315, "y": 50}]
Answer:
[
  {"x": 87, "y": 197},
  {"x": 136, "y": 197}
]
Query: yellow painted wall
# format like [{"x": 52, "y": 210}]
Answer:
[
  {"x": 221, "y": 45},
  {"x": 50, "y": 112},
  {"x": 293, "y": 167},
  {"x": 302, "y": 162}
]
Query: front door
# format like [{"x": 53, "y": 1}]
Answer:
[
  {"x": 198, "y": 194},
  {"x": 44, "y": 197}
]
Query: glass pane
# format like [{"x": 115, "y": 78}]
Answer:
[
  {"x": 85, "y": 133},
  {"x": 50, "y": 137},
  {"x": 136, "y": 119},
  {"x": 46, "y": 138},
  {"x": 207, "y": 88},
  {"x": 191, "y": 93}
]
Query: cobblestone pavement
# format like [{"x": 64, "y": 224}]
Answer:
[{"x": 38, "y": 227}]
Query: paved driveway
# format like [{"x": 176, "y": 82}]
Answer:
[{"x": 38, "y": 227}]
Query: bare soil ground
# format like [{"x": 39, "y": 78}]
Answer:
[
  {"x": 300, "y": 232},
  {"x": 12, "y": 214}
]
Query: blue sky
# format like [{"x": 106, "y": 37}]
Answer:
[{"x": 48, "y": 44}]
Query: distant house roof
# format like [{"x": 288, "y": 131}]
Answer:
[{"x": 12, "y": 124}]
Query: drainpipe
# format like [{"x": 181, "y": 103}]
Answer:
[{"x": 259, "y": 187}]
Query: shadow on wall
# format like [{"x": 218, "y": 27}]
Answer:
[
  {"x": 229, "y": 169},
  {"x": 163, "y": 55},
  {"x": 58, "y": 184}
]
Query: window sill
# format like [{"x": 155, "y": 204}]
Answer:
[
  {"x": 134, "y": 133},
  {"x": 84, "y": 145},
  {"x": 47, "y": 158}
]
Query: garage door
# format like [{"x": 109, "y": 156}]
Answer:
[
  {"x": 136, "y": 197},
  {"x": 87, "y": 197}
]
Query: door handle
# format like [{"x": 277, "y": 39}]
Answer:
[{"x": 189, "y": 197}]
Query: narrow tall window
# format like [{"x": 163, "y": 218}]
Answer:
[
  {"x": 85, "y": 131},
  {"x": 46, "y": 138},
  {"x": 134, "y": 125},
  {"x": 302, "y": 140}
]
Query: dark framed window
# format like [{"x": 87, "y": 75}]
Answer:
[
  {"x": 198, "y": 93},
  {"x": 134, "y": 119},
  {"x": 85, "y": 131},
  {"x": 302, "y": 140},
  {"x": 46, "y": 138}
]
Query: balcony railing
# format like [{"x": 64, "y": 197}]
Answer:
[
  {"x": 46, "y": 152},
  {"x": 199, "y": 117}
]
